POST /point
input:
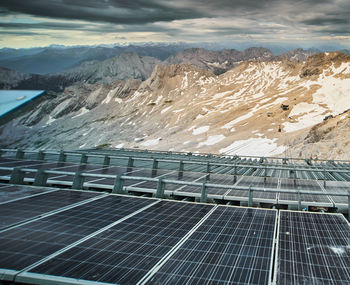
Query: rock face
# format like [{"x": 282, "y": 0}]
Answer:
[
  {"x": 121, "y": 67},
  {"x": 218, "y": 61},
  {"x": 11, "y": 78},
  {"x": 296, "y": 55},
  {"x": 183, "y": 108}
]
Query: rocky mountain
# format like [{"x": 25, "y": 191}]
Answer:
[
  {"x": 297, "y": 54},
  {"x": 218, "y": 61},
  {"x": 274, "y": 107},
  {"x": 55, "y": 59},
  {"x": 10, "y": 78},
  {"x": 120, "y": 67}
]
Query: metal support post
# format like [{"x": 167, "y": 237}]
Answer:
[
  {"x": 181, "y": 169},
  {"x": 41, "y": 178},
  {"x": 78, "y": 181},
  {"x": 235, "y": 173},
  {"x": 84, "y": 159},
  {"x": 106, "y": 160},
  {"x": 208, "y": 167},
  {"x": 299, "y": 200},
  {"x": 19, "y": 154},
  {"x": 154, "y": 167},
  {"x": 130, "y": 164},
  {"x": 324, "y": 178},
  {"x": 265, "y": 174},
  {"x": 204, "y": 193},
  {"x": 17, "y": 176},
  {"x": 118, "y": 185},
  {"x": 250, "y": 197},
  {"x": 160, "y": 188},
  {"x": 62, "y": 157},
  {"x": 40, "y": 155}
]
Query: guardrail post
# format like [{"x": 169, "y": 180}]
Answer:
[
  {"x": 40, "y": 155},
  {"x": 40, "y": 178},
  {"x": 208, "y": 167},
  {"x": 78, "y": 181},
  {"x": 265, "y": 174},
  {"x": 62, "y": 157},
  {"x": 299, "y": 201},
  {"x": 235, "y": 173},
  {"x": 84, "y": 158},
  {"x": 118, "y": 185},
  {"x": 154, "y": 167},
  {"x": 324, "y": 178},
  {"x": 17, "y": 176},
  {"x": 250, "y": 197},
  {"x": 160, "y": 188},
  {"x": 181, "y": 169},
  {"x": 130, "y": 164},
  {"x": 19, "y": 154},
  {"x": 204, "y": 193},
  {"x": 106, "y": 160}
]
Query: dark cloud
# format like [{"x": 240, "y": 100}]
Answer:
[
  {"x": 253, "y": 17},
  {"x": 117, "y": 12}
]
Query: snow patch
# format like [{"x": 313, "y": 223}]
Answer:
[
  {"x": 237, "y": 120},
  {"x": 50, "y": 120},
  {"x": 82, "y": 112},
  {"x": 222, "y": 94},
  {"x": 254, "y": 147},
  {"x": 151, "y": 142},
  {"x": 212, "y": 140},
  {"x": 200, "y": 130},
  {"x": 119, "y": 145},
  {"x": 165, "y": 110}
]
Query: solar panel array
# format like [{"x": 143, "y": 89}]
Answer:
[
  {"x": 108, "y": 238},
  {"x": 241, "y": 180}
]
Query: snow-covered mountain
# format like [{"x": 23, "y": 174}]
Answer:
[{"x": 257, "y": 108}]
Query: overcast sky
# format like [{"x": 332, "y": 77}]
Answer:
[{"x": 79, "y": 22}]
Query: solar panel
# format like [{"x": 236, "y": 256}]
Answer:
[
  {"x": 127, "y": 251},
  {"x": 25, "y": 244},
  {"x": 12, "y": 192},
  {"x": 233, "y": 246},
  {"x": 24, "y": 209},
  {"x": 313, "y": 249}
]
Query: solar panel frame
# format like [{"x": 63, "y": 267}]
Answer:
[
  {"x": 121, "y": 236},
  {"x": 202, "y": 238},
  {"x": 71, "y": 225},
  {"x": 306, "y": 267},
  {"x": 29, "y": 208}
]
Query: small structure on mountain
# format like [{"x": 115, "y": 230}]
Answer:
[{"x": 285, "y": 107}]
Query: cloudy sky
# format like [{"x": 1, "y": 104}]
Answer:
[{"x": 79, "y": 22}]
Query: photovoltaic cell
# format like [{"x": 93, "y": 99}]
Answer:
[
  {"x": 313, "y": 249},
  {"x": 29, "y": 243},
  {"x": 233, "y": 246},
  {"x": 127, "y": 251},
  {"x": 11, "y": 192},
  {"x": 24, "y": 209}
]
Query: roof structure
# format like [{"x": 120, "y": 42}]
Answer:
[
  {"x": 10, "y": 100},
  {"x": 251, "y": 181}
]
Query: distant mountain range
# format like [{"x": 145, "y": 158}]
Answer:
[
  {"x": 130, "y": 65},
  {"x": 55, "y": 59},
  {"x": 273, "y": 106}
]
